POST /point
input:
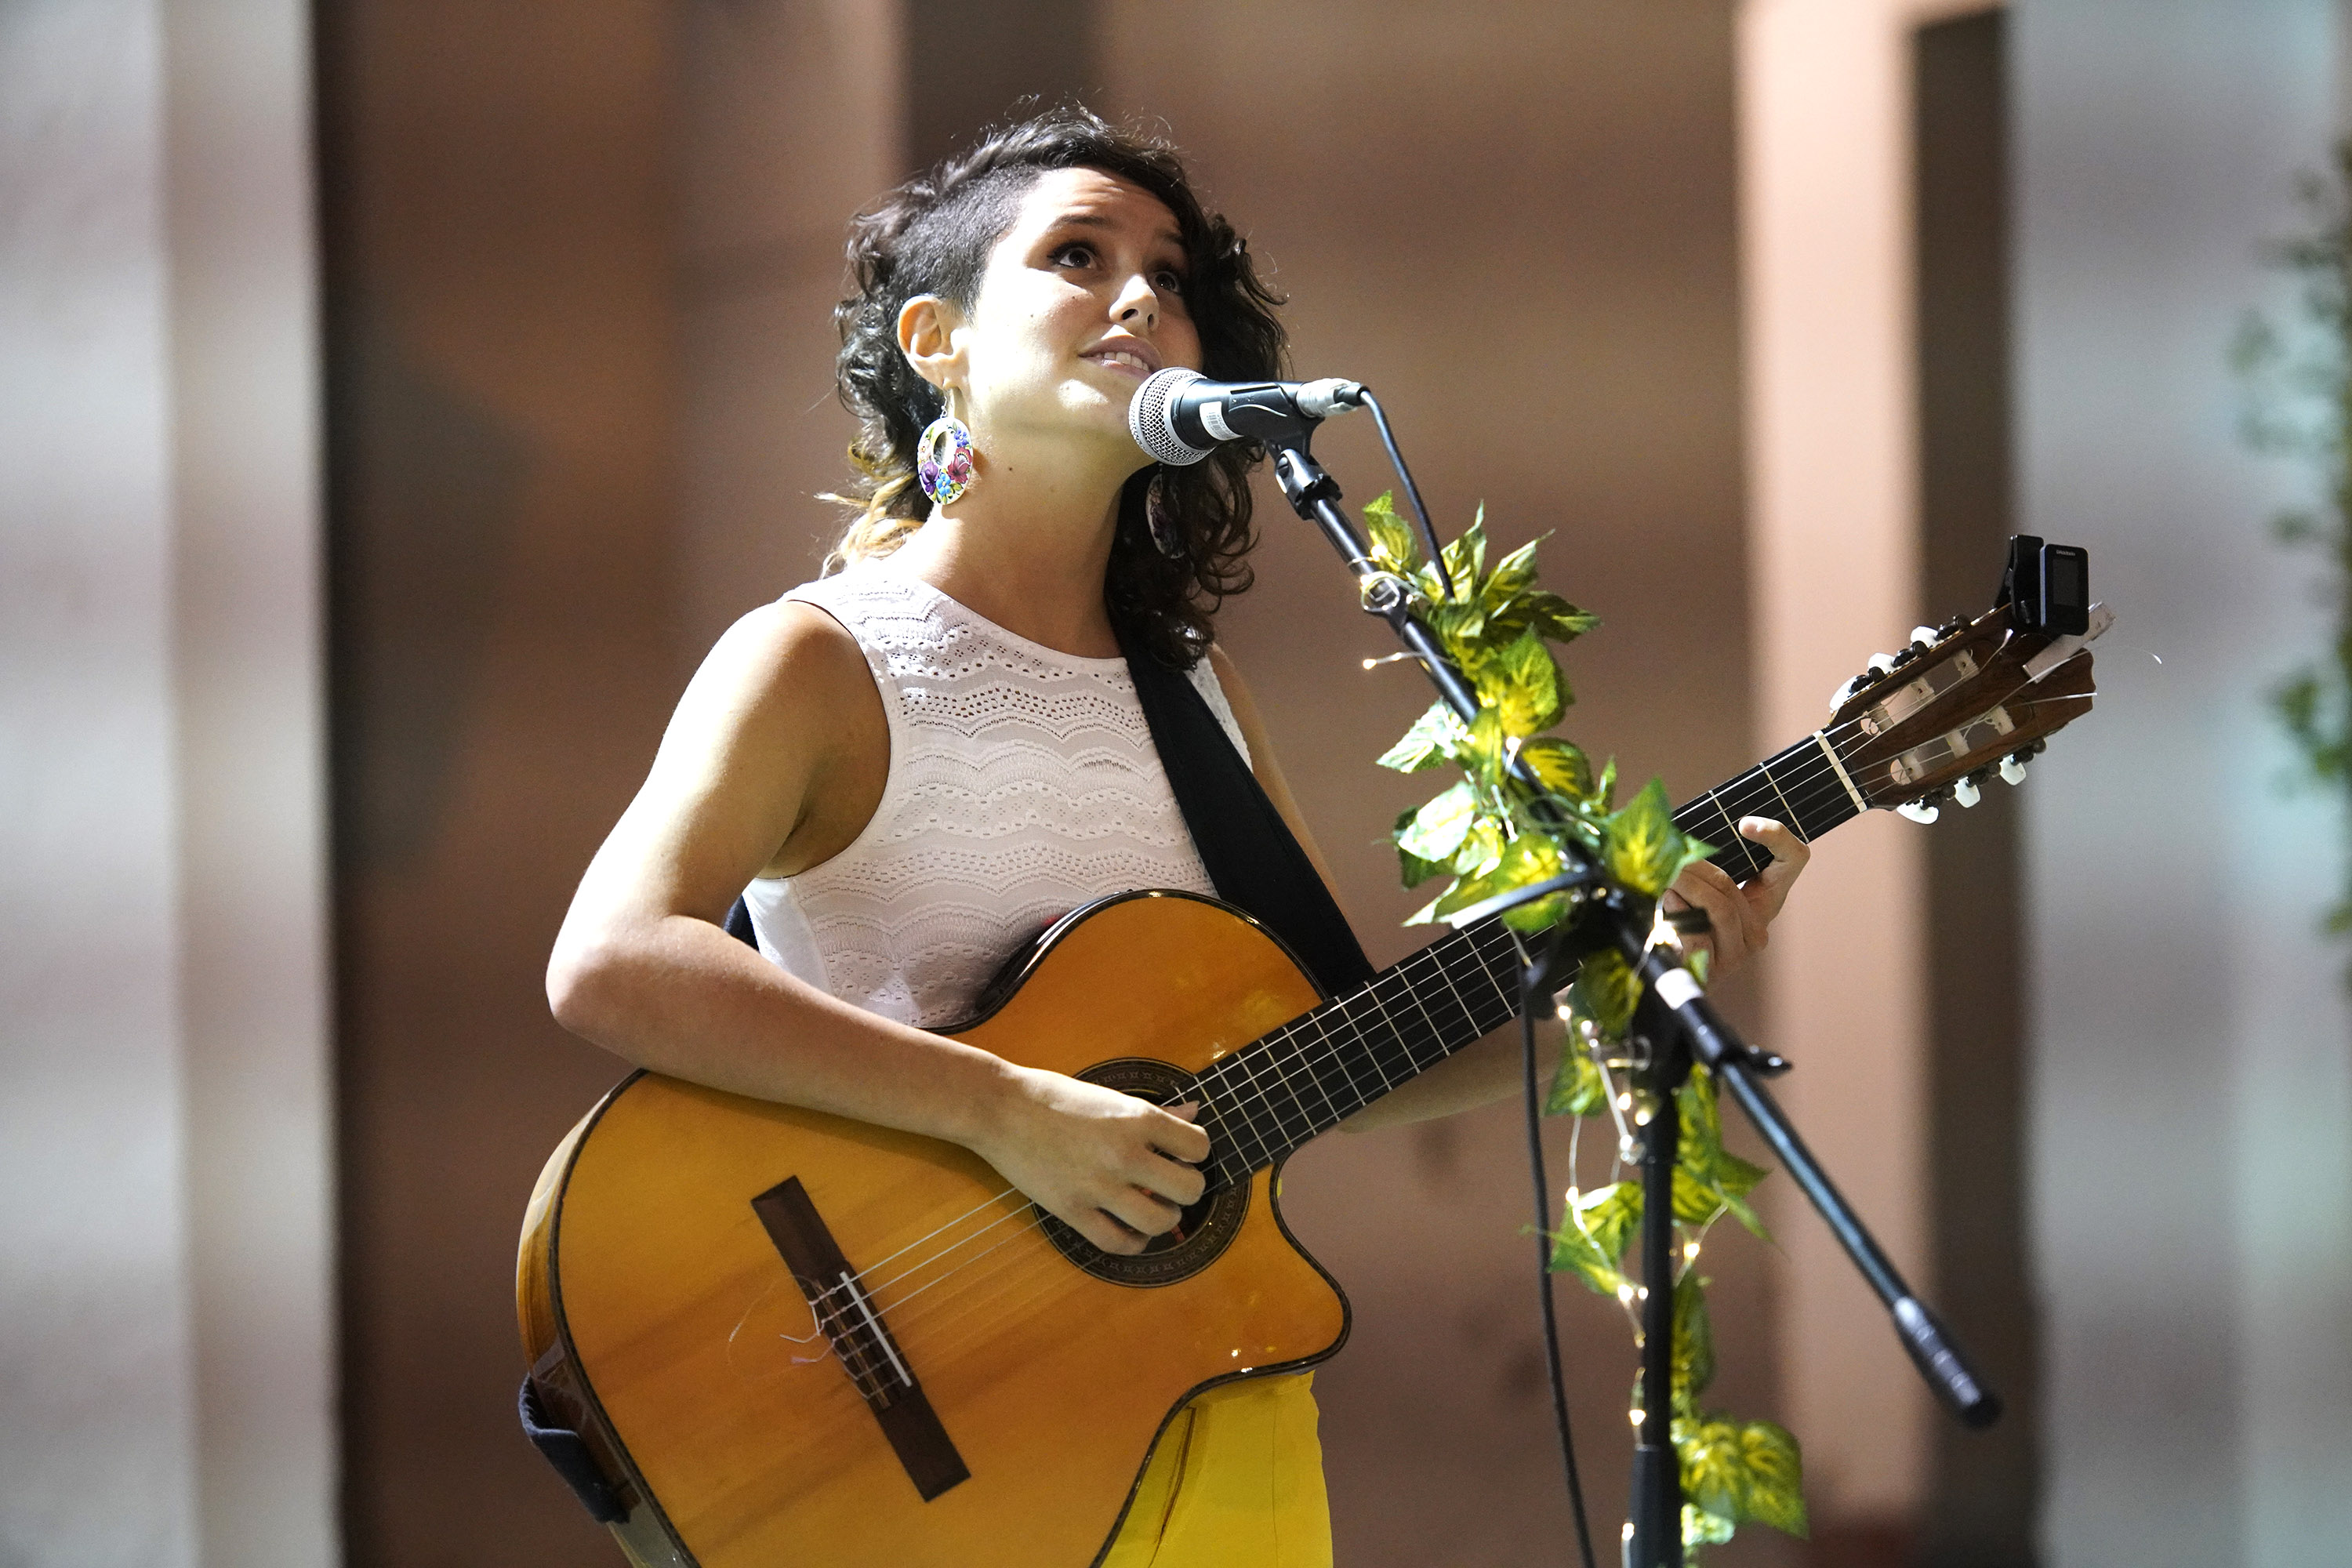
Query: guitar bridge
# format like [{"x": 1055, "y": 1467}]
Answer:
[{"x": 860, "y": 1338}]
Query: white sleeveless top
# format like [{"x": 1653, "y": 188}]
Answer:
[{"x": 1023, "y": 784}]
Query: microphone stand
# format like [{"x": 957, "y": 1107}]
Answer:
[{"x": 1673, "y": 1027}]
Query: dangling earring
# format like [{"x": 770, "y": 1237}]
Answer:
[
  {"x": 943, "y": 459},
  {"x": 1159, "y": 515}
]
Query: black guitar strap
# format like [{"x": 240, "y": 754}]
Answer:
[{"x": 1252, "y": 859}]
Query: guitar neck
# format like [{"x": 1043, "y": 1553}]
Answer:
[
  {"x": 1313, "y": 1073},
  {"x": 1805, "y": 787}
]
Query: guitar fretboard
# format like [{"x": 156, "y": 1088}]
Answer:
[
  {"x": 1313, "y": 1073},
  {"x": 1321, "y": 1068},
  {"x": 1804, "y": 788}
]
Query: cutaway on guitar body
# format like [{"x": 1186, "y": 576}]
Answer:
[{"x": 931, "y": 1376}]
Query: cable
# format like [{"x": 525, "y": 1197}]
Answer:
[
  {"x": 1413, "y": 493},
  {"x": 1543, "y": 1265}
]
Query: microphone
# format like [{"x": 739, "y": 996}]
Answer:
[{"x": 1180, "y": 417}]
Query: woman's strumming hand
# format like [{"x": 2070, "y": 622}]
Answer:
[{"x": 1116, "y": 1169}]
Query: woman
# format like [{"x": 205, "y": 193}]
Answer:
[{"x": 907, "y": 767}]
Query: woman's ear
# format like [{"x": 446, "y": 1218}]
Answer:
[{"x": 929, "y": 336}]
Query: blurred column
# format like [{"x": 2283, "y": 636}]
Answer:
[
  {"x": 2192, "y": 1085},
  {"x": 97, "y": 1450},
  {"x": 165, "y": 1316},
  {"x": 248, "y": 690},
  {"x": 1825, "y": 130}
]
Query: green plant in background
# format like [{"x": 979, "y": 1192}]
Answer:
[
  {"x": 1489, "y": 835},
  {"x": 2298, "y": 379}
]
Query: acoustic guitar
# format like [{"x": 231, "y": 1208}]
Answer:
[{"x": 790, "y": 1338}]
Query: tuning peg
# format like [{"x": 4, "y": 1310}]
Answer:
[
  {"x": 1917, "y": 810},
  {"x": 1925, "y": 636},
  {"x": 1882, "y": 663},
  {"x": 1966, "y": 794},
  {"x": 2012, "y": 770}
]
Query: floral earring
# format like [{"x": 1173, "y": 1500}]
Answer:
[
  {"x": 1159, "y": 515},
  {"x": 943, "y": 459}
]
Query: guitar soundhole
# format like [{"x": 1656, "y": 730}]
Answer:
[{"x": 1208, "y": 1226}]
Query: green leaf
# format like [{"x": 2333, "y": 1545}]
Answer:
[
  {"x": 1531, "y": 859},
  {"x": 1696, "y": 1201},
  {"x": 1512, "y": 576},
  {"x": 1436, "y": 737},
  {"x": 1694, "y": 1358},
  {"x": 1641, "y": 845},
  {"x": 1605, "y": 990},
  {"x": 1558, "y": 619},
  {"x": 1700, "y": 1128},
  {"x": 1593, "y": 1234},
  {"x": 1776, "y": 1478},
  {"x": 1412, "y": 866},
  {"x": 1714, "y": 1465},
  {"x": 1701, "y": 1528},
  {"x": 1580, "y": 1087},
  {"x": 1522, "y": 683},
  {"x": 1481, "y": 854},
  {"x": 1749, "y": 1220},
  {"x": 1465, "y": 558},
  {"x": 1395, "y": 548},
  {"x": 1438, "y": 828},
  {"x": 1560, "y": 767},
  {"x": 1736, "y": 1177},
  {"x": 1547, "y": 614},
  {"x": 1459, "y": 626},
  {"x": 1483, "y": 753}
]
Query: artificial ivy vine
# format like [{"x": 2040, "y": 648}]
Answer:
[
  {"x": 1484, "y": 832},
  {"x": 2299, "y": 382}
]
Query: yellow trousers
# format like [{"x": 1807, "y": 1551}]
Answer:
[{"x": 1236, "y": 1482}]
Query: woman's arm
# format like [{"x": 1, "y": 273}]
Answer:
[
  {"x": 773, "y": 761},
  {"x": 1492, "y": 1068}
]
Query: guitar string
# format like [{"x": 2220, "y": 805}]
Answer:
[{"x": 1822, "y": 786}]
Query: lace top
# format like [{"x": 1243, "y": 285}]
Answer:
[{"x": 1023, "y": 784}]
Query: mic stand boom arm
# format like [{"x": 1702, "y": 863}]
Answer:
[{"x": 1682, "y": 1027}]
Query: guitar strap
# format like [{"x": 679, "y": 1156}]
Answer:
[{"x": 1254, "y": 860}]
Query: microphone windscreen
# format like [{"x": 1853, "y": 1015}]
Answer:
[{"x": 1149, "y": 417}]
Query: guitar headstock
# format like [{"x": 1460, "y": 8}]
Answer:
[{"x": 1960, "y": 704}]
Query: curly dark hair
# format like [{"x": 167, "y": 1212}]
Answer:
[{"x": 932, "y": 236}]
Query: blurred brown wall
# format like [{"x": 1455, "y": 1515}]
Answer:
[
  {"x": 579, "y": 262},
  {"x": 499, "y": 207}
]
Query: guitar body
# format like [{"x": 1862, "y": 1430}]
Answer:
[{"x": 667, "y": 1324}]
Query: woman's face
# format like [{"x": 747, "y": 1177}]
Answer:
[{"x": 1082, "y": 298}]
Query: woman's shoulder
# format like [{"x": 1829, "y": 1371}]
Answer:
[{"x": 790, "y": 652}]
